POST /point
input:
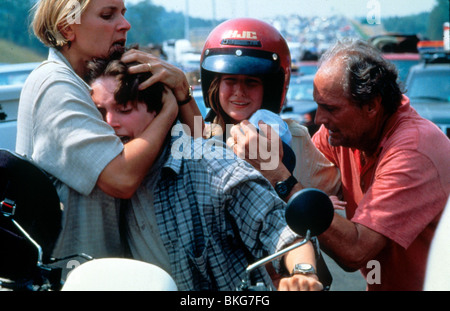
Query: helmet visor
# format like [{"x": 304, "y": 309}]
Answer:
[{"x": 241, "y": 61}]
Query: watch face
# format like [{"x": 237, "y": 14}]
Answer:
[
  {"x": 303, "y": 268},
  {"x": 281, "y": 188}
]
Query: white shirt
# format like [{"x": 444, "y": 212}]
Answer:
[{"x": 61, "y": 130}]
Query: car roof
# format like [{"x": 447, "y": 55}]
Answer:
[
  {"x": 297, "y": 79},
  {"x": 402, "y": 56},
  {"x": 18, "y": 67},
  {"x": 431, "y": 67}
]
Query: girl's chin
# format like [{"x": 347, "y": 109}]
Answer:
[{"x": 240, "y": 117}]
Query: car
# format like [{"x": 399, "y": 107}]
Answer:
[
  {"x": 9, "y": 103},
  {"x": 12, "y": 78},
  {"x": 306, "y": 67},
  {"x": 403, "y": 62},
  {"x": 400, "y": 49},
  {"x": 16, "y": 74},
  {"x": 300, "y": 105},
  {"x": 428, "y": 88}
]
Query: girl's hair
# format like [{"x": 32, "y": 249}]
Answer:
[
  {"x": 221, "y": 117},
  {"x": 51, "y": 17}
]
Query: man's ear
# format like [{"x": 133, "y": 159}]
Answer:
[{"x": 373, "y": 108}]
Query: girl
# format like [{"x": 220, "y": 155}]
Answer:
[{"x": 245, "y": 70}]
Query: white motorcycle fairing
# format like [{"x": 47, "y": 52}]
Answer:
[{"x": 118, "y": 274}]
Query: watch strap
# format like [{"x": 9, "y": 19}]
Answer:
[
  {"x": 283, "y": 188},
  {"x": 188, "y": 99}
]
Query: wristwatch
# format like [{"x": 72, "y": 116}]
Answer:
[
  {"x": 283, "y": 188},
  {"x": 303, "y": 268},
  {"x": 188, "y": 99}
]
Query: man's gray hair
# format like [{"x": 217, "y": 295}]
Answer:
[{"x": 367, "y": 74}]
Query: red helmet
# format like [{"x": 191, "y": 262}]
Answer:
[{"x": 250, "y": 47}]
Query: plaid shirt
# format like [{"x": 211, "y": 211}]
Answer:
[{"x": 216, "y": 215}]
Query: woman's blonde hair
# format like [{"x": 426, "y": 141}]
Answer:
[{"x": 53, "y": 16}]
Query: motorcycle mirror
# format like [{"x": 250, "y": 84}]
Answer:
[{"x": 309, "y": 209}]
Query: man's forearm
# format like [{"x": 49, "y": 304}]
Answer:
[{"x": 350, "y": 244}]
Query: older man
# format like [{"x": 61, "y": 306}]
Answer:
[{"x": 395, "y": 168}]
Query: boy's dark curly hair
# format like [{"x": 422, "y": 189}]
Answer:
[{"x": 128, "y": 84}]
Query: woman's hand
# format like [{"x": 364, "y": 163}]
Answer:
[
  {"x": 162, "y": 71},
  {"x": 170, "y": 105}
]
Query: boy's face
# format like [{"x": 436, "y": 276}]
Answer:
[{"x": 127, "y": 121}]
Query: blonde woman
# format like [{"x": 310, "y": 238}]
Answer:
[{"x": 60, "y": 128}]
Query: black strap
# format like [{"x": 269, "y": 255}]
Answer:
[{"x": 323, "y": 273}]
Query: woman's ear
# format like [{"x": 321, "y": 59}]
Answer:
[{"x": 67, "y": 32}]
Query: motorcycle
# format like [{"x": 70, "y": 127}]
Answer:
[
  {"x": 30, "y": 217},
  {"x": 30, "y": 222},
  {"x": 309, "y": 213}
]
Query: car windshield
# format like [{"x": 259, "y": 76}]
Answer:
[
  {"x": 403, "y": 67},
  {"x": 301, "y": 91},
  {"x": 432, "y": 85},
  {"x": 308, "y": 69},
  {"x": 14, "y": 78}
]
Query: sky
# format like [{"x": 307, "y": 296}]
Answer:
[{"x": 262, "y": 9}]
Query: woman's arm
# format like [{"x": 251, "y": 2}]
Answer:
[
  {"x": 174, "y": 78},
  {"x": 191, "y": 116},
  {"x": 123, "y": 175}
]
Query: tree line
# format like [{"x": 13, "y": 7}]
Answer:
[
  {"x": 429, "y": 25},
  {"x": 150, "y": 23},
  {"x": 153, "y": 24}
]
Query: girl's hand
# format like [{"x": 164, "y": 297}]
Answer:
[
  {"x": 337, "y": 203},
  {"x": 263, "y": 150}
]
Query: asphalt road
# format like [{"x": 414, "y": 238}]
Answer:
[{"x": 344, "y": 281}]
